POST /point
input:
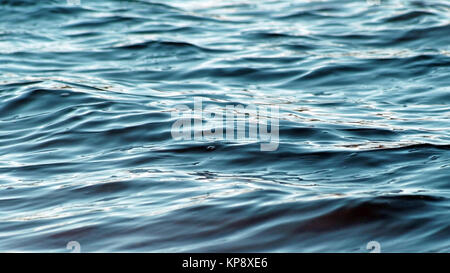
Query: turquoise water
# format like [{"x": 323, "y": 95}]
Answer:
[{"x": 88, "y": 94}]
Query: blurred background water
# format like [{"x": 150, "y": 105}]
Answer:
[{"x": 86, "y": 152}]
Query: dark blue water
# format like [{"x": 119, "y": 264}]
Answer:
[{"x": 88, "y": 91}]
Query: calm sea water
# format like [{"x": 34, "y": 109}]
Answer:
[{"x": 88, "y": 91}]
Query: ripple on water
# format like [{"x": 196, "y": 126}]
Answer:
[{"x": 87, "y": 96}]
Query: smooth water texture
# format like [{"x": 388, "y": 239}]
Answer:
[{"x": 88, "y": 94}]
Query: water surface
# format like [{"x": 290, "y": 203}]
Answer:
[{"x": 87, "y": 94}]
